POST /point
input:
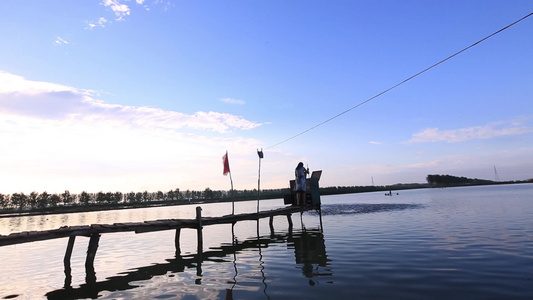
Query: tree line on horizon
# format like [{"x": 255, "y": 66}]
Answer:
[
  {"x": 449, "y": 180},
  {"x": 43, "y": 201}
]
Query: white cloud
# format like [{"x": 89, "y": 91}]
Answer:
[
  {"x": 121, "y": 10},
  {"x": 60, "y": 41},
  {"x": 100, "y": 23},
  {"x": 57, "y": 137},
  {"x": 52, "y": 101},
  {"x": 488, "y": 131},
  {"x": 232, "y": 101},
  {"x": 10, "y": 83}
]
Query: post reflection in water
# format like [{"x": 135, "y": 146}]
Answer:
[
  {"x": 261, "y": 262},
  {"x": 310, "y": 251},
  {"x": 308, "y": 244},
  {"x": 229, "y": 292}
]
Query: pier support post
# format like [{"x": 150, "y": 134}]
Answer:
[
  {"x": 199, "y": 224},
  {"x": 66, "y": 261},
  {"x": 289, "y": 219},
  {"x": 91, "y": 250},
  {"x": 200, "y": 239},
  {"x": 271, "y": 224},
  {"x": 68, "y": 253},
  {"x": 177, "y": 241},
  {"x": 90, "y": 274}
]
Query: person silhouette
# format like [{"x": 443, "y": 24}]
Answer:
[{"x": 300, "y": 173}]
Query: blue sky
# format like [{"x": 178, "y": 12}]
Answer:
[{"x": 120, "y": 95}]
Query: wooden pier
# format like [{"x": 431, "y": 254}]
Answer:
[
  {"x": 146, "y": 226},
  {"x": 93, "y": 232}
]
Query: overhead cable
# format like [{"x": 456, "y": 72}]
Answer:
[{"x": 402, "y": 82}]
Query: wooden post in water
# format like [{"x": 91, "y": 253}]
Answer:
[
  {"x": 90, "y": 274},
  {"x": 177, "y": 241},
  {"x": 66, "y": 261},
  {"x": 271, "y": 224},
  {"x": 68, "y": 253},
  {"x": 200, "y": 248},
  {"x": 289, "y": 219},
  {"x": 91, "y": 250}
]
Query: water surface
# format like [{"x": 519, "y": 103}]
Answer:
[{"x": 453, "y": 243}]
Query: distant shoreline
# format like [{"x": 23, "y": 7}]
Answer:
[{"x": 77, "y": 208}]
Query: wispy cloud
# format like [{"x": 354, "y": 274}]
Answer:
[
  {"x": 101, "y": 22},
  {"x": 232, "y": 101},
  {"x": 121, "y": 10},
  {"x": 52, "y": 101},
  {"x": 60, "y": 41},
  {"x": 61, "y": 137},
  {"x": 492, "y": 130}
]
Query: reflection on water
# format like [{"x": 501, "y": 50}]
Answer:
[
  {"x": 309, "y": 250},
  {"x": 457, "y": 243}
]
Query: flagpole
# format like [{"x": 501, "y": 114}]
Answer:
[
  {"x": 232, "y": 198},
  {"x": 260, "y": 154}
]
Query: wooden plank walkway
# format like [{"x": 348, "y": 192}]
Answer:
[
  {"x": 93, "y": 232},
  {"x": 146, "y": 226}
]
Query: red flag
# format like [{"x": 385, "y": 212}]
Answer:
[{"x": 225, "y": 162}]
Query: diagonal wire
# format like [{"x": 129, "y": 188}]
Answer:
[{"x": 402, "y": 82}]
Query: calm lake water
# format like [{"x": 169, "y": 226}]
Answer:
[{"x": 453, "y": 243}]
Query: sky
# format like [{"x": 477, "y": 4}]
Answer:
[{"x": 119, "y": 95}]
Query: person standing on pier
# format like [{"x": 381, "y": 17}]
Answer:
[{"x": 300, "y": 173}]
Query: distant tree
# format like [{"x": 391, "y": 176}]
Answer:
[
  {"x": 146, "y": 196},
  {"x": 19, "y": 200},
  {"x": 33, "y": 199},
  {"x": 54, "y": 200},
  {"x": 117, "y": 197},
  {"x": 85, "y": 198},
  {"x": 101, "y": 197},
  {"x": 130, "y": 197},
  {"x": 138, "y": 197},
  {"x": 43, "y": 200},
  {"x": 109, "y": 198},
  {"x": 160, "y": 196},
  {"x": 208, "y": 194},
  {"x": 179, "y": 194},
  {"x": 4, "y": 201},
  {"x": 449, "y": 180},
  {"x": 67, "y": 198},
  {"x": 171, "y": 196}
]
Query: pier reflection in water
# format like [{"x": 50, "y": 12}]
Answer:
[
  {"x": 307, "y": 243},
  {"x": 421, "y": 244}
]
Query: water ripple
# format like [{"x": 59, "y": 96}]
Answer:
[{"x": 345, "y": 209}]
